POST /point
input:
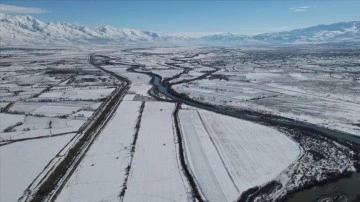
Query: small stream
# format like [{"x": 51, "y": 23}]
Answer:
[
  {"x": 162, "y": 89},
  {"x": 333, "y": 133},
  {"x": 342, "y": 190}
]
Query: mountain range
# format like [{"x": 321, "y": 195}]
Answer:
[{"x": 25, "y": 30}]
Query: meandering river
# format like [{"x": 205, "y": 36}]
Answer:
[{"x": 342, "y": 190}]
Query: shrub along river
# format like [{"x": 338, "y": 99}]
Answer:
[
  {"x": 342, "y": 190},
  {"x": 345, "y": 189}
]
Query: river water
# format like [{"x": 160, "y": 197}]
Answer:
[
  {"x": 342, "y": 190},
  {"x": 346, "y": 190}
]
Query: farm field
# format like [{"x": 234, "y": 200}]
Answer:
[
  {"x": 11, "y": 119},
  {"x": 101, "y": 174},
  {"x": 219, "y": 78},
  {"x": 155, "y": 174},
  {"x": 310, "y": 86},
  {"x": 228, "y": 156},
  {"x": 22, "y": 162},
  {"x": 203, "y": 101},
  {"x": 45, "y": 105},
  {"x": 176, "y": 123}
]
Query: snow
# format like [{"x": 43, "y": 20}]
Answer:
[
  {"x": 140, "y": 82},
  {"x": 55, "y": 110},
  {"x": 129, "y": 97},
  {"x": 329, "y": 102},
  {"x": 88, "y": 93},
  {"x": 262, "y": 75},
  {"x": 204, "y": 161},
  {"x": 333, "y": 114},
  {"x": 7, "y": 120},
  {"x": 26, "y": 30},
  {"x": 21, "y": 162},
  {"x": 135, "y": 78},
  {"x": 140, "y": 89},
  {"x": 95, "y": 106},
  {"x": 229, "y": 155},
  {"x": 167, "y": 73},
  {"x": 3, "y": 104},
  {"x": 39, "y": 126},
  {"x": 155, "y": 174},
  {"x": 34, "y": 122},
  {"x": 298, "y": 76},
  {"x": 226, "y": 155},
  {"x": 109, "y": 155},
  {"x": 83, "y": 115}
]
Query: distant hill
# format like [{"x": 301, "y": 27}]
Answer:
[
  {"x": 337, "y": 32},
  {"x": 22, "y": 30},
  {"x": 26, "y": 30}
]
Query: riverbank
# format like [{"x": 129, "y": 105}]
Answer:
[{"x": 321, "y": 144}]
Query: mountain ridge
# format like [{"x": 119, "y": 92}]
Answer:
[{"x": 26, "y": 30}]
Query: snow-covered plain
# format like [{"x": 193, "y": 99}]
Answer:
[
  {"x": 313, "y": 86},
  {"x": 51, "y": 108},
  {"x": 101, "y": 174},
  {"x": 140, "y": 82},
  {"x": 227, "y": 156},
  {"x": 167, "y": 73},
  {"x": 34, "y": 80},
  {"x": 33, "y": 126},
  {"x": 8, "y": 120},
  {"x": 155, "y": 174},
  {"x": 3, "y": 104},
  {"x": 87, "y": 93},
  {"x": 23, "y": 30},
  {"x": 21, "y": 162}
]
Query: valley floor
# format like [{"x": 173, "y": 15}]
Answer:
[{"x": 124, "y": 139}]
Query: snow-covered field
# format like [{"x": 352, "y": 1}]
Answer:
[
  {"x": 55, "y": 110},
  {"x": 155, "y": 173},
  {"x": 140, "y": 82},
  {"x": 21, "y": 162},
  {"x": 88, "y": 93},
  {"x": 101, "y": 174},
  {"x": 135, "y": 78},
  {"x": 50, "y": 108},
  {"x": 56, "y": 91},
  {"x": 279, "y": 99},
  {"x": 33, "y": 126},
  {"x": 140, "y": 89},
  {"x": 3, "y": 104},
  {"x": 167, "y": 73},
  {"x": 313, "y": 86},
  {"x": 227, "y": 156},
  {"x": 8, "y": 120}
]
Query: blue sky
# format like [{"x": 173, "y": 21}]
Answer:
[{"x": 174, "y": 16}]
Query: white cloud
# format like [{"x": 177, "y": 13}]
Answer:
[
  {"x": 20, "y": 9},
  {"x": 300, "y": 8}
]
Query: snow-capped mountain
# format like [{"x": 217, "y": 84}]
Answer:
[
  {"x": 26, "y": 30},
  {"x": 337, "y": 32},
  {"x": 22, "y": 30}
]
